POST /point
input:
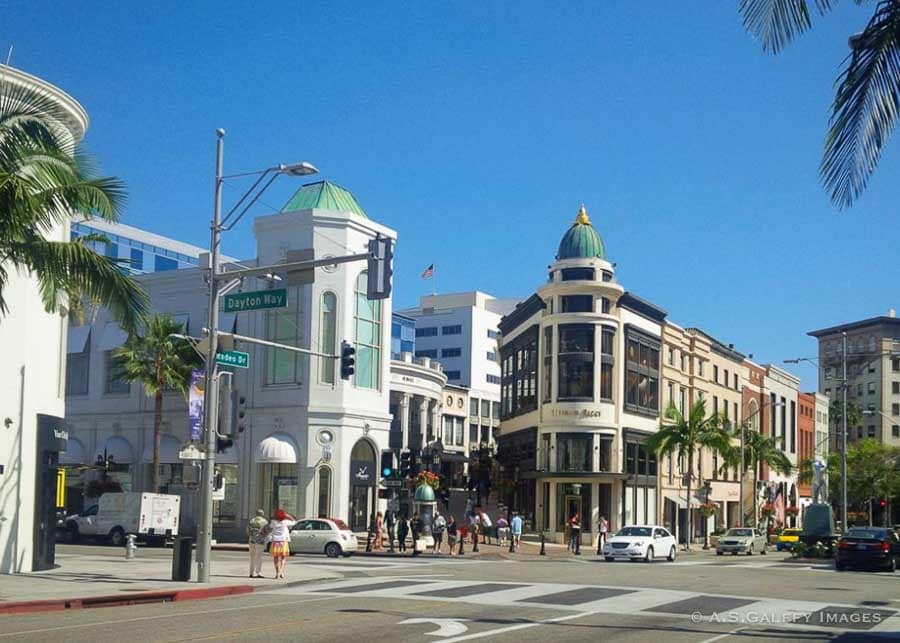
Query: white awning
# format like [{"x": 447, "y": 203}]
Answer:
[
  {"x": 113, "y": 336},
  {"x": 119, "y": 448},
  {"x": 681, "y": 502},
  {"x": 77, "y": 341},
  {"x": 75, "y": 453},
  {"x": 278, "y": 448},
  {"x": 169, "y": 446}
]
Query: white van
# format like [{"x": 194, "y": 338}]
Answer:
[{"x": 150, "y": 516}]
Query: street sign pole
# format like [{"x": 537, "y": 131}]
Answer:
[{"x": 210, "y": 404}]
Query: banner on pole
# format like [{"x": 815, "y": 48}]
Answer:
[{"x": 195, "y": 404}]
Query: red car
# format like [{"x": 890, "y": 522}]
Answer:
[{"x": 868, "y": 547}]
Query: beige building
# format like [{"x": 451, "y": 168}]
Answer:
[{"x": 873, "y": 374}]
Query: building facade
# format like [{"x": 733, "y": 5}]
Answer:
[
  {"x": 873, "y": 374},
  {"x": 806, "y": 441},
  {"x": 580, "y": 386},
  {"x": 32, "y": 383},
  {"x": 779, "y": 489},
  {"x": 312, "y": 440}
]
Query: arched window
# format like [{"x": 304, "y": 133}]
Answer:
[
  {"x": 328, "y": 335},
  {"x": 324, "y": 492},
  {"x": 754, "y": 415},
  {"x": 368, "y": 336}
]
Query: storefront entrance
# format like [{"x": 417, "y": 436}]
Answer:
[{"x": 363, "y": 476}]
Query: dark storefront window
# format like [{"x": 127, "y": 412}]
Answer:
[
  {"x": 607, "y": 344},
  {"x": 573, "y": 452},
  {"x": 639, "y": 460},
  {"x": 519, "y": 374},
  {"x": 578, "y": 304},
  {"x": 576, "y": 362},
  {"x": 577, "y": 274},
  {"x": 570, "y": 499},
  {"x": 548, "y": 364},
  {"x": 641, "y": 373}
]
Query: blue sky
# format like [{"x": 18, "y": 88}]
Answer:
[{"x": 477, "y": 129}]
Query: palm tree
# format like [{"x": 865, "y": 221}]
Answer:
[
  {"x": 44, "y": 182},
  {"x": 160, "y": 362},
  {"x": 684, "y": 436},
  {"x": 762, "y": 450},
  {"x": 867, "y": 102}
]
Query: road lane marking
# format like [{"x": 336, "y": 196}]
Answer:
[
  {"x": 446, "y": 626},
  {"x": 522, "y": 626},
  {"x": 723, "y": 636},
  {"x": 161, "y": 616}
]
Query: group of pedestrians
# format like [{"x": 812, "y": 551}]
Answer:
[
  {"x": 574, "y": 527},
  {"x": 276, "y": 532}
]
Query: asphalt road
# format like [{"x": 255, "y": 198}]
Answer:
[{"x": 697, "y": 599}]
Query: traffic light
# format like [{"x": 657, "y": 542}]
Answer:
[
  {"x": 414, "y": 464},
  {"x": 404, "y": 464},
  {"x": 347, "y": 359},
  {"x": 381, "y": 255},
  {"x": 883, "y": 504},
  {"x": 239, "y": 405},
  {"x": 387, "y": 464}
]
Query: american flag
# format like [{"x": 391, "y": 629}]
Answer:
[{"x": 429, "y": 272}]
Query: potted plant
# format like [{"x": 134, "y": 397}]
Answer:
[{"x": 426, "y": 478}]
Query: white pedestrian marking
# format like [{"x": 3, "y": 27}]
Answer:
[{"x": 446, "y": 626}]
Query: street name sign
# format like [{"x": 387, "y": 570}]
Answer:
[
  {"x": 256, "y": 300},
  {"x": 392, "y": 483},
  {"x": 233, "y": 358}
]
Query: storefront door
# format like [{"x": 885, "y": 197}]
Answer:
[
  {"x": 573, "y": 506},
  {"x": 359, "y": 508}
]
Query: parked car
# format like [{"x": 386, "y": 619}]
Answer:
[
  {"x": 787, "y": 538},
  {"x": 640, "y": 542},
  {"x": 330, "y": 536},
  {"x": 868, "y": 547},
  {"x": 742, "y": 540},
  {"x": 149, "y": 516}
]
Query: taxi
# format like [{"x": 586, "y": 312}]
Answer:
[{"x": 787, "y": 538}]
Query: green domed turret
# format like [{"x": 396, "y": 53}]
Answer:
[{"x": 581, "y": 241}]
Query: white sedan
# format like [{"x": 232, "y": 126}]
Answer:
[
  {"x": 640, "y": 542},
  {"x": 329, "y": 536}
]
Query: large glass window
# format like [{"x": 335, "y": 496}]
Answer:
[
  {"x": 578, "y": 304},
  {"x": 161, "y": 264},
  {"x": 576, "y": 362},
  {"x": 283, "y": 326},
  {"x": 115, "y": 385},
  {"x": 78, "y": 372},
  {"x": 639, "y": 460},
  {"x": 573, "y": 452},
  {"x": 641, "y": 373},
  {"x": 578, "y": 274},
  {"x": 519, "y": 373},
  {"x": 570, "y": 499},
  {"x": 607, "y": 344},
  {"x": 324, "y": 492},
  {"x": 548, "y": 364},
  {"x": 329, "y": 321},
  {"x": 368, "y": 336}
]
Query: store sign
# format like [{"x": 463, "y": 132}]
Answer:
[
  {"x": 575, "y": 413},
  {"x": 195, "y": 404},
  {"x": 362, "y": 472}
]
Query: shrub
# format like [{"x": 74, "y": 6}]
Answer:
[{"x": 798, "y": 549}]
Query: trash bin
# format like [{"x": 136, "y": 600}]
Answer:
[{"x": 182, "y": 552}]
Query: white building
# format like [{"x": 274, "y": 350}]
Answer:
[
  {"x": 312, "y": 440},
  {"x": 581, "y": 394},
  {"x": 32, "y": 404},
  {"x": 461, "y": 331},
  {"x": 782, "y": 388}
]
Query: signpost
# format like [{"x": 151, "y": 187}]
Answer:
[
  {"x": 256, "y": 300},
  {"x": 233, "y": 358},
  {"x": 392, "y": 483}
]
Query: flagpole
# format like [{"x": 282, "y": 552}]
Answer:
[{"x": 433, "y": 280}]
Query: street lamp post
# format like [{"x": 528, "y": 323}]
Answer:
[{"x": 210, "y": 403}]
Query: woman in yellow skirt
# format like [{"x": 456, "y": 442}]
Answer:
[{"x": 280, "y": 535}]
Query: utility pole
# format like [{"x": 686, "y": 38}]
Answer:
[
  {"x": 844, "y": 433},
  {"x": 204, "y": 534}
]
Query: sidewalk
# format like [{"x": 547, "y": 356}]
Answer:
[{"x": 90, "y": 580}]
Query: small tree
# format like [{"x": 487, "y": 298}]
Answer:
[
  {"x": 762, "y": 450},
  {"x": 159, "y": 362},
  {"x": 684, "y": 436}
]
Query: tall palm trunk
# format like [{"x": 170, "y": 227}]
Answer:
[
  {"x": 157, "y": 425},
  {"x": 690, "y": 517}
]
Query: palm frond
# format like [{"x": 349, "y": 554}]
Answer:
[
  {"x": 866, "y": 107},
  {"x": 775, "y": 23}
]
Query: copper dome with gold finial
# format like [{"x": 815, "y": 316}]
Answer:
[{"x": 581, "y": 241}]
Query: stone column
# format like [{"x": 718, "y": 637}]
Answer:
[
  {"x": 423, "y": 419},
  {"x": 436, "y": 419},
  {"x": 404, "y": 419}
]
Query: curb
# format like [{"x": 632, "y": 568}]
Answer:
[{"x": 137, "y": 598}]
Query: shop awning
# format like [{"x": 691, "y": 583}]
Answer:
[
  {"x": 448, "y": 456},
  {"x": 75, "y": 453},
  {"x": 278, "y": 448},
  {"x": 77, "y": 341},
  {"x": 119, "y": 448},
  {"x": 169, "y": 446},
  {"x": 680, "y": 501},
  {"x": 113, "y": 336}
]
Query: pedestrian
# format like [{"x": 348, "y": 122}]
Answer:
[
  {"x": 516, "y": 526},
  {"x": 280, "y": 530},
  {"x": 452, "y": 532},
  {"x": 437, "y": 530},
  {"x": 502, "y": 531},
  {"x": 487, "y": 528},
  {"x": 390, "y": 522},
  {"x": 379, "y": 531},
  {"x": 402, "y": 531},
  {"x": 474, "y": 527},
  {"x": 575, "y": 533},
  {"x": 257, "y": 534},
  {"x": 603, "y": 529},
  {"x": 416, "y": 526}
]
